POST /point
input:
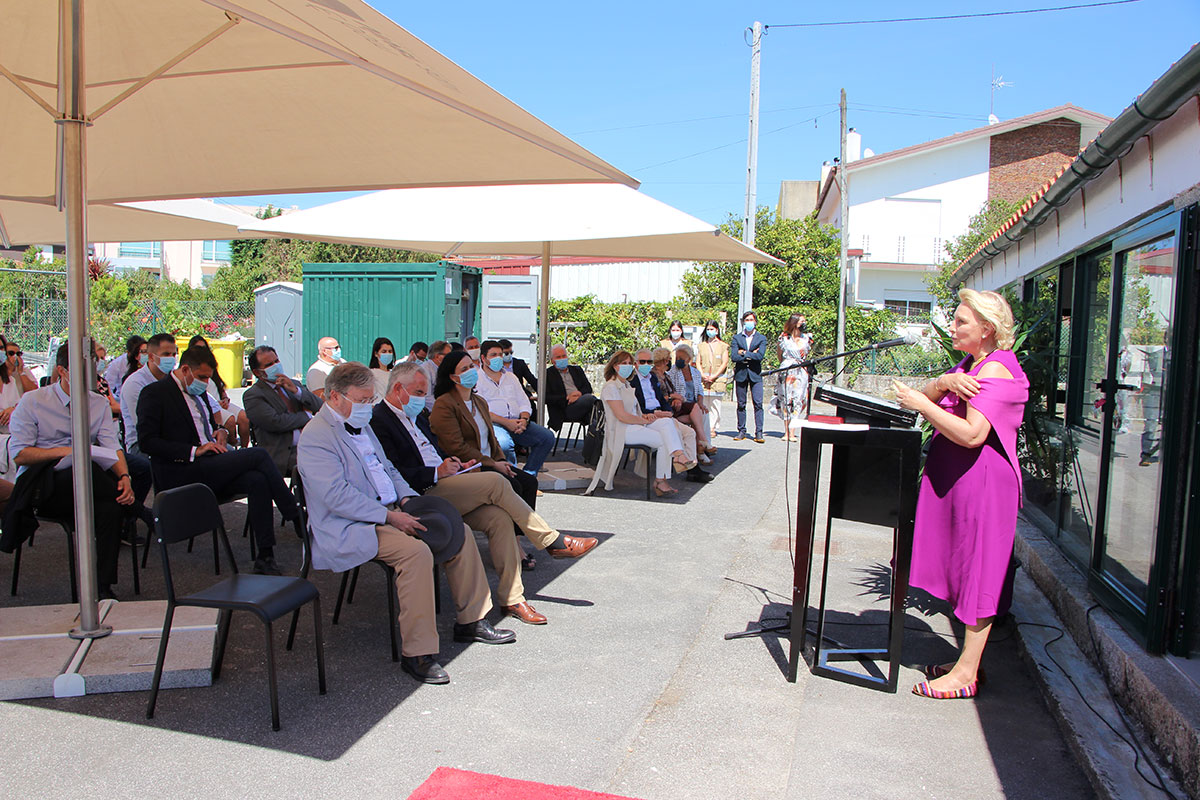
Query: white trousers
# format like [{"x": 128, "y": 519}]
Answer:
[{"x": 663, "y": 436}]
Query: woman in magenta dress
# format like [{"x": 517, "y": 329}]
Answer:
[{"x": 971, "y": 490}]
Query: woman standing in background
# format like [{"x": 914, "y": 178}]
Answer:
[
  {"x": 713, "y": 359},
  {"x": 383, "y": 357},
  {"x": 791, "y": 390}
]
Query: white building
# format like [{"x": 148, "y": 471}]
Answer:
[
  {"x": 905, "y": 204},
  {"x": 613, "y": 281}
]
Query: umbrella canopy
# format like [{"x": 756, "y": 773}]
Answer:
[
  {"x": 600, "y": 220},
  {"x": 159, "y": 221},
  {"x": 206, "y": 98},
  {"x": 117, "y": 100}
]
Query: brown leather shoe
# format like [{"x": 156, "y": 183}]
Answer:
[
  {"x": 575, "y": 547},
  {"x": 526, "y": 613}
]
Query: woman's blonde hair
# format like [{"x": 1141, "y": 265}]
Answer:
[
  {"x": 660, "y": 354},
  {"x": 993, "y": 309}
]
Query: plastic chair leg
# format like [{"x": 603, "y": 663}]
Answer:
[
  {"x": 71, "y": 563},
  {"x": 292, "y": 629},
  {"x": 316, "y": 604},
  {"x": 437, "y": 591},
  {"x": 133, "y": 548},
  {"x": 393, "y": 623},
  {"x": 353, "y": 586},
  {"x": 158, "y": 664},
  {"x": 16, "y": 569},
  {"x": 337, "y": 608},
  {"x": 223, "y": 618},
  {"x": 271, "y": 677}
]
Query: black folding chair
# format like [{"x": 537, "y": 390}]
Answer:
[
  {"x": 190, "y": 511},
  {"x": 574, "y": 431}
]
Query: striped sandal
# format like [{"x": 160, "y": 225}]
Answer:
[
  {"x": 934, "y": 671},
  {"x": 923, "y": 689}
]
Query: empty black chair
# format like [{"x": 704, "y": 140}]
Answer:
[{"x": 190, "y": 511}]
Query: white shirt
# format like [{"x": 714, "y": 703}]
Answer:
[
  {"x": 197, "y": 420},
  {"x": 379, "y": 477},
  {"x": 131, "y": 391},
  {"x": 381, "y": 381},
  {"x": 504, "y": 395},
  {"x": 429, "y": 453},
  {"x": 648, "y": 394},
  {"x": 10, "y": 393},
  {"x": 115, "y": 374},
  {"x": 315, "y": 377}
]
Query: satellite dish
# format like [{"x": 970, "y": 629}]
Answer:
[
  {"x": 993, "y": 119},
  {"x": 868, "y": 153}
]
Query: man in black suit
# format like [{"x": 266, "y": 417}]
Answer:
[
  {"x": 569, "y": 395},
  {"x": 746, "y": 351},
  {"x": 178, "y": 430},
  {"x": 653, "y": 398},
  {"x": 486, "y": 500}
]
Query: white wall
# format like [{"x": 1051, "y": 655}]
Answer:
[
  {"x": 619, "y": 282},
  {"x": 903, "y": 210},
  {"x": 877, "y": 285},
  {"x": 1117, "y": 197}
]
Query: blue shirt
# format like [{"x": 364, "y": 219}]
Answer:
[{"x": 43, "y": 419}]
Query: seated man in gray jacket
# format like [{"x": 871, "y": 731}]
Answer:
[
  {"x": 278, "y": 407},
  {"x": 360, "y": 507}
]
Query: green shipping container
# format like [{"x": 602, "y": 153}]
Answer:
[{"x": 356, "y": 303}]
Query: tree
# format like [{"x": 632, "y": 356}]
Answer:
[
  {"x": 991, "y": 215},
  {"x": 809, "y": 276}
]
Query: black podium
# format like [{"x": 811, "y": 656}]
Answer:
[{"x": 873, "y": 479}]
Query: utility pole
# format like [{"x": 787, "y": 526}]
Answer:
[
  {"x": 839, "y": 380},
  {"x": 746, "y": 284}
]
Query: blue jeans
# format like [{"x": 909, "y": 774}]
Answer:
[{"x": 539, "y": 440}]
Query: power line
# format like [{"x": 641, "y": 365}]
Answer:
[
  {"x": 953, "y": 16},
  {"x": 731, "y": 144},
  {"x": 696, "y": 119}
]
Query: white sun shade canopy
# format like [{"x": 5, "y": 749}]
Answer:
[
  {"x": 207, "y": 98},
  {"x": 157, "y": 221},
  {"x": 599, "y": 220}
]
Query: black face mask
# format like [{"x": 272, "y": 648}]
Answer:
[
  {"x": 804, "y": 327},
  {"x": 679, "y": 363}
]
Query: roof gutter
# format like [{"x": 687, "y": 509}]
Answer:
[{"x": 1164, "y": 97}]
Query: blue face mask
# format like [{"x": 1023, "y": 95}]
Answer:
[
  {"x": 168, "y": 363},
  {"x": 144, "y": 359},
  {"x": 414, "y": 406},
  {"x": 644, "y": 369},
  {"x": 561, "y": 363},
  {"x": 429, "y": 401},
  {"x": 384, "y": 358},
  {"x": 679, "y": 363},
  {"x": 336, "y": 355},
  {"x": 274, "y": 372},
  {"x": 469, "y": 378},
  {"x": 496, "y": 363},
  {"x": 507, "y": 358},
  {"x": 197, "y": 387},
  {"x": 625, "y": 370},
  {"x": 360, "y": 414},
  {"x": 749, "y": 325}
]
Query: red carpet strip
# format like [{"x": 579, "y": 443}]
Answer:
[{"x": 447, "y": 783}]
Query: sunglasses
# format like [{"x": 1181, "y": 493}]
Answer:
[
  {"x": 12, "y": 353},
  {"x": 644, "y": 361}
]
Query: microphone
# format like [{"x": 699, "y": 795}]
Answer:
[{"x": 908, "y": 338}]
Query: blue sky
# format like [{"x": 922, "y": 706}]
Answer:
[{"x": 644, "y": 83}]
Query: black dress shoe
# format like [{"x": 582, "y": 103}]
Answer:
[
  {"x": 482, "y": 631},
  {"x": 426, "y": 669},
  {"x": 697, "y": 475},
  {"x": 266, "y": 566}
]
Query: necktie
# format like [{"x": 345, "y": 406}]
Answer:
[
  {"x": 203, "y": 409},
  {"x": 288, "y": 400},
  {"x": 350, "y": 429}
]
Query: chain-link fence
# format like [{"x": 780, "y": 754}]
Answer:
[{"x": 34, "y": 322}]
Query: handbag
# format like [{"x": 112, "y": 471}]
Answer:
[{"x": 5, "y": 456}]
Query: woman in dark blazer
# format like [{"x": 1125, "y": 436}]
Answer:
[{"x": 462, "y": 423}]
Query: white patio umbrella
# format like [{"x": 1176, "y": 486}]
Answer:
[
  {"x": 158, "y": 99},
  {"x": 600, "y": 220},
  {"x": 23, "y": 223}
]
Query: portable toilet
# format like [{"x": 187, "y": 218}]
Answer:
[
  {"x": 406, "y": 302},
  {"x": 278, "y": 322}
]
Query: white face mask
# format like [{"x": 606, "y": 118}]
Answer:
[{"x": 473, "y": 353}]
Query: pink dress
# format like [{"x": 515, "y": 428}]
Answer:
[{"x": 967, "y": 508}]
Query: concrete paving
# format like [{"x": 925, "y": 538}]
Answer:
[{"x": 630, "y": 688}]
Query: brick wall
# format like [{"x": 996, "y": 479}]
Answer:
[{"x": 1024, "y": 159}]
